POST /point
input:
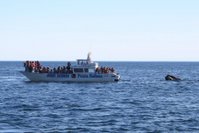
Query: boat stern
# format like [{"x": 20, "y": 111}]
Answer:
[{"x": 116, "y": 77}]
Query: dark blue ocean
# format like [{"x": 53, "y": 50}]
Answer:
[{"x": 141, "y": 102}]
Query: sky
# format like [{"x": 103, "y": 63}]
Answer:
[{"x": 113, "y": 30}]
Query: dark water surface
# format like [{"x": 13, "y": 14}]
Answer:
[{"x": 142, "y": 102}]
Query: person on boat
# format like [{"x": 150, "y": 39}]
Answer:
[
  {"x": 112, "y": 70},
  {"x": 54, "y": 70},
  {"x": 68, "y": 66},
  {"x": 26, "y": 66}
]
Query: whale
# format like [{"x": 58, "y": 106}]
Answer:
[{"x": 172, "y": 78}]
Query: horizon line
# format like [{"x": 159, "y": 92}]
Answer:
[{"x": 102, "y": 61}]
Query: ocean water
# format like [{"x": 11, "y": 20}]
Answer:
[{"x": 141, "y": 102}]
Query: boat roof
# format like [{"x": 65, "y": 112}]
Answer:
[{"x": 84, "y": 63}]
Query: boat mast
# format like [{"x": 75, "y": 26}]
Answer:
[{"x": 89, "y": 58}]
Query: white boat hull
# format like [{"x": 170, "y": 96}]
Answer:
[{"x": 55, "y": 77}]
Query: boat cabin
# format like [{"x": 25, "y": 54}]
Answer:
[{"x": 85, "y": 66}]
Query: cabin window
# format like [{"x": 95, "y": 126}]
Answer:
[
  {"x": 78, "y": 70},
  {"x": 91, "y": 70},
  {"x": 86, "y": 70}
]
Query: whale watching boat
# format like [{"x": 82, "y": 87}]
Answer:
[{"x": 85, "y": 70}]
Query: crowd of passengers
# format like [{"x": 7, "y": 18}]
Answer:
[
  {"x": 104, "y": 70},
  {"x": 35, "y": 66}
]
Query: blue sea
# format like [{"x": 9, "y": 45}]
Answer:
[{"x": 141, "y": 102}]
